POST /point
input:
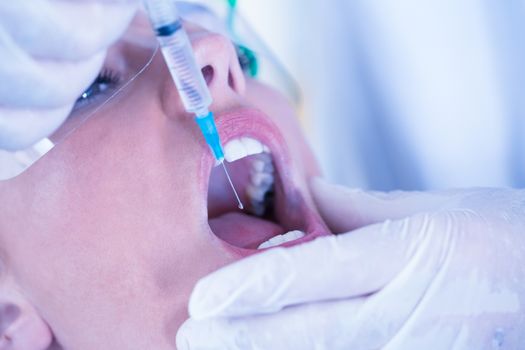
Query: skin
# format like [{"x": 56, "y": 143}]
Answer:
[{"x": 103, "y": 239}]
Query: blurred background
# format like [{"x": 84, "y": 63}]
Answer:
[{"x": 406, "y": 94}]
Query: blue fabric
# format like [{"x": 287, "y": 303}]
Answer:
[{"x": 211, "y": 135}]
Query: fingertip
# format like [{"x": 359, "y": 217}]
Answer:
[
  {"x": 345, "y": 209},
  {"x": 185, "y": 334},
  {"x": 336, "y": 204},
  {"x": 319, "y": 183},
  {"x": 235, "y": 290},
  {"x": 324, "y": 190},
  {"x": 197, "y": 302},
  {"x": 208, "y": 299}
]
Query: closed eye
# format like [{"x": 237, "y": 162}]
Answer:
[{"x": 106, "y": 81}]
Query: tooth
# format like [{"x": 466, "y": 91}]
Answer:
[
  {"x": 280, "y": 239},
  {"x": 266, "y": 157},
  {"x": 276, "y": 240},
  {"x": 257, "y": 208},
  {"x": 266, "y": 149},
  {"x": 262, "y": 179},
  {"x": 293, "y": 235},
  {"x": 234, "y": 150},
  {"x": 268, "y": 167},
  {"x": 256, "y": 193},
  {"x": 252, "y": 146},
  {"x": 265, "y": 244},
  {"x": 262, "y": 164},
  {"x": 258, "y": 165}
]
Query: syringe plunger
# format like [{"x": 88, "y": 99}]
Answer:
[{"x": 177, "y": 51}]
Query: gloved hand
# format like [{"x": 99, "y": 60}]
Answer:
[
  {"x": 51, "y": 50},
  {"x": 435, "y": 270}
]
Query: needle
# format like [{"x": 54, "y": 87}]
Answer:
[{"x": 231, "y": 184}]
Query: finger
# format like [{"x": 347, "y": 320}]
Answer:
[
  {"x": 371, "y": 322},
  {"x": 345, "y": 209},
  {"x": 312, "y": 326},
  {"x": 375, "y": 322},
  {"x": 329, "y": 267},
  {"x": 392, "y": 318}
]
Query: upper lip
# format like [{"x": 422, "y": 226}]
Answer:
[{"x": 247, "y": 122}]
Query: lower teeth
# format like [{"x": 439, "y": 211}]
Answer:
[{"x": 280, "y": 239}]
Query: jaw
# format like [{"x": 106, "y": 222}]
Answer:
[{"x": 276, "y": 212}]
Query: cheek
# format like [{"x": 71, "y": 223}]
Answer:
[
  {"x": 114, "y": 231},
  {"x": 104, "y": 200},
  {"x": 280, "y": 111}
]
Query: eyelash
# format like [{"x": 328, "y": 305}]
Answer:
[{"x": 106, "y": 81}]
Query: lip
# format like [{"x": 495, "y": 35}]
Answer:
[{"x": 254, "y": 123}]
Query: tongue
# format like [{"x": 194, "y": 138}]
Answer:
[{"x": 243, "y": 230}]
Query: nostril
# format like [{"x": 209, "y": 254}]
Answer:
[
  {"x": 207, "y": 72},
  {"x": 231, "y": 82}
]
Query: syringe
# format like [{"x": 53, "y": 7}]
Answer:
[{"x": 193, "y": 91}]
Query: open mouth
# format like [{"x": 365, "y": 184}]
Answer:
[{"x": 275, "y": 212}]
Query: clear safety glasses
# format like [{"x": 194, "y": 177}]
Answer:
[
  {"x": 125, "y": 61},
  {"x": 132, "y": 55}
]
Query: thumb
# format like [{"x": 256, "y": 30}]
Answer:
[
  {"x": 344, "y": 209},
  {"x": 330, "y": 267}
]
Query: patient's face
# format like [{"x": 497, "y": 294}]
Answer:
[{"x": 107, "y": 234}]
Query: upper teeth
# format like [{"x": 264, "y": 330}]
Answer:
[
  {"x": 280, "y": 239},
  {"x": 261, "y": 172},
  {"x": 261, "y": 183},
  {"x": 242, "y": 147}
]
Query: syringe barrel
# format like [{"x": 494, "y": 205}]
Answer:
[
  {"x": 178, "y": 53},
  {"x": 161, "y": 13}
]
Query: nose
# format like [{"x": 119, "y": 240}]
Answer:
[
  {"x": 217, "y": 59},
  {"x": 220, "y": 66}
]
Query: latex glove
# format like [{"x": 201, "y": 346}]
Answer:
[
  {"x": 51, "y": 51},
  {"x": 430, "y": 270}
]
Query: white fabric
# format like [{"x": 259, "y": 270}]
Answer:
[
  {"x": 408, "y": 94},
  {"x": 51, "y": 51},
  {"x": 435, "y": 270}
]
